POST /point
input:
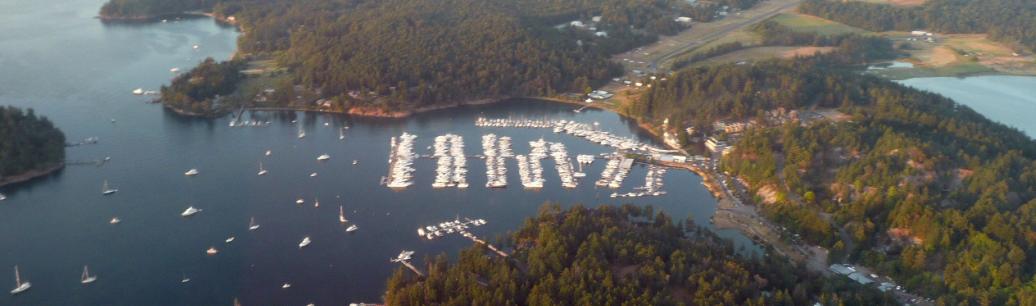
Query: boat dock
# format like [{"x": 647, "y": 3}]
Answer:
[
  {"x": 578, "y": 129},
  {"x": 404, "y": 258},
  {"x": 615, "y": 171},
  {"x": 401, "y": 160},
  {"x": 496, "y": 152},
  {"x": 451, "y": 165}
]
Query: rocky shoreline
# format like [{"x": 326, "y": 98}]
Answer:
[{"x": 31, "y": 174}]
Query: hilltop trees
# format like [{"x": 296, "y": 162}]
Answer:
[{"x": 28, "y": 142}]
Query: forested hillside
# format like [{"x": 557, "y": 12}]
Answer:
[
  {"x": 28, "y": 142},
  {"x": 619, "y": 256},
  {"x": 198, "y": 90},
  {"x": 928, "y": 190},
  {"x": 404, "y": 54},
  {"x": 1009, "y": 21}
]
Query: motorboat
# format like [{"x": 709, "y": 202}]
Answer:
[
  {"x": 114, "y": 220},
  {"x": 323, "y": 157},
  {"x": 286, "y": 286},
  {"x": 300, "y": 201},
  {"x": 191, "y": 172},
  {"x": 352, "y": 228},
  {"x": 138, "y": 91},
  {"x": 305, "y": 241},
  {"x": 229, "y": 239},
  {"x": 190, "y": 211},
  {"x": 212, "y": 251}
]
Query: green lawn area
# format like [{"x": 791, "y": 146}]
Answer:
[{"x": 807, "y": 23}]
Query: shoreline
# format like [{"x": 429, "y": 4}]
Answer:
[{"x": 31, "y": 174}]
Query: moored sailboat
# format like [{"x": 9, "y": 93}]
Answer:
[
  {"x": 252, "y": 225},
  {"x": 107, "y": 190},
  {"x": 19, "y": 285},
  {"x": 86, "y": 278},
  {"x": 341, "y": 215}
]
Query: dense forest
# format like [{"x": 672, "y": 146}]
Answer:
[
  {"x": 927, "y": 190},
  {"x": 1009, "y": 21},
  {"x": 625, "y": 255},
  {"x": 139, "y": 9},
  {"x": 28, "y": 142},
  {"x": 198, "y": 91}
]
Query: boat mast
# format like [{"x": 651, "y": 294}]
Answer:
[{"x": 17, "y": 277}]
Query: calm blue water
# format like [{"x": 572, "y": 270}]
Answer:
[
  {"x": 1011, "y": 100},
  {"x": 61, "y": 61}
]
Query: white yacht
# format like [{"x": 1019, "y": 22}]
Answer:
[
  {"x": 341, "y": 215},
  {"x": 138, "y": 91},
  {"x": 86, "y": 279},
  {"x": 114, "y": 220},
  {"x": 252, "y": 225},
  {"x": 229, "y": 239},
  {"x": 107, "y": 190},
  {"x": 352, "y": 228},
  {"x": 314, "y": 174},
  {"x": 305, "y": 241},
  {"x": 19, "y": 285},
  {"x": 286, "y": 286},
  {"x": 323, "y": 157},
  {"x": 356, "y": 162},
  {"x": 3, "y": 197},
  {"x": 268, "y": 152},
  {"x": 190, "y": 211},
  {"x": 316, "y": 202},
  {"x": 212, "y": 251},
  {"x": 191, "y": 172},
  {"x": 300, "y": 201},
  {"x": 174, "y": 69},
  {"x": 261, "y": 170}
]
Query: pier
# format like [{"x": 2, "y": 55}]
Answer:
[{"x": 404, "y": 258}]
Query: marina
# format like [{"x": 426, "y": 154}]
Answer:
[{"x": 401, "y": 160}]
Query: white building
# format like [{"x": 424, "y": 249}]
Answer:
[
  {"x": 683, "y": 19},
  {"x": 601, "y": 34}
]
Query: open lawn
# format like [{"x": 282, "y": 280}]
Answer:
[
  {"x": 963, "y": 54},
  {"x": 807, "y": 23}
]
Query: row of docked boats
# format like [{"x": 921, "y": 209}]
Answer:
[
  {"x": 615, "y": 171},
  {"x": 652, "y": 184},
  {"x": 451, "y": 163},
  {"x": 449, "y": 227},
  {"x": 401, "y": 161},
  {"x": 565, "y": 172},
  {"x": 574, "y": 128},
  {"x": 496, "y": 159}
]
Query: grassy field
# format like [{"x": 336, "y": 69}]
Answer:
[
  {"x": 756, "y": 54},
  {"x": 960, "y": 54},
  {"x": 807, "y": 23}
]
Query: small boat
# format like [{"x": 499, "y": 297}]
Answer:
[
  {"x": 229, "y": 239},
  {"x": 174, "y": 69},
  {"x": 286, "y": 286},
  {"x": 114, "y": 220},
  {"x": 341, "y": 133},
  {"x": 305, "y": 241},
  {"x": 86, "y": 279},
  {"x": 341, "y": 215},
  {"x": 190, "y": 211},
  {"x": 3, "y": 197},
  {"x": 268, "y": 152},
  {"x": 316, "y": 202},
  {"x": 302, "y": 133},
  {"x": 138, "y": 91},
  {"x": 261, "y": 170},
  {"x": 107, "y": 190},
  {"x": 300, "y": 201},
  {"x": 352, "y": 228},
  {"x": 191, "y": 172},
  {"x": 195, "y": 47},
  {"x": 19, "y": 285},
  {"x": 212, "y": 251},
  {"x": 185, "y": 279},
  {"x": 323, "y": 157},
  {"x": 252, "y": 225},
  {"x": 356, "y": 162},
  {"x": 314, "y": 174}
]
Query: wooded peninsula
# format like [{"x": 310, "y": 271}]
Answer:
[{"x": 30, "y": 145}]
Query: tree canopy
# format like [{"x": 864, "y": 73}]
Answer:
[{"x": 28, "y": 142}]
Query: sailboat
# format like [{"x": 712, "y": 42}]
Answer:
[
  {"x": 302, "y": 133},
  {"x": 190, "y": 211},
  {"x": 107, "y": 190},
  {"x": 252, "y": 225},
  {"x": 191, "y": 172},
  {"x": 341, "y": 133},
  {"x": 185, "y": 279},
  {"x": 114, "y": 220},
  {"x": 261, "y": 170},
  {"x": 86, "y": 279},
  {"x": 341, "y": 215},
  {"x": 316, "y": 202},
  {"x": 19, "y": 285}
]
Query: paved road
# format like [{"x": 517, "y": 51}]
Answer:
[{"x": 653, "y": 57}]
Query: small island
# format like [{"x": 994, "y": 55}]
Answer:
[{"x": 30, "y": 146}]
